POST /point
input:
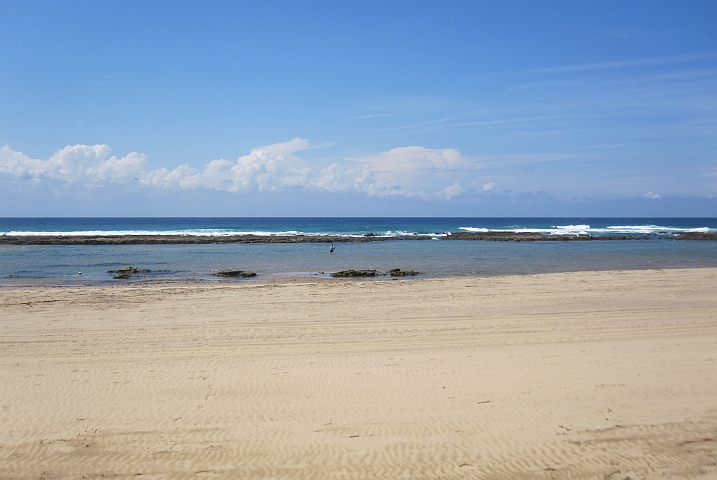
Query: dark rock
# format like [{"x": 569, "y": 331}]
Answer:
[
  {"x": 533, "y": 237},
  {"x": 124, "y": 270},
  {"x": 367, "y": 237},
  {"x": 397, "y": 272},
  {"x": 186, "y": 239},
  {"x": 234, "y": 273},
  {"x": 355, "y": 273},
  {"x": 128, "y": 271},
  {"x": 697, "y": 236}
]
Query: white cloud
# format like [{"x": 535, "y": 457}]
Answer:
[
  {"x": 652, "y": 196},
  {"x": 264, "y": 168},
  {"x": 183, "y": 176},
  {"x": 406, "y": 171},
  {"x": 73, "y": 164},
  {"x": 640, "y": 62},
  {"x": 410, "y": 159},
  {"x": 115, "y": 169},
  {"x": 337, "y": 178},
  {"x": 411, "y": 171},
  {"x": 452, "y": 191},
  {"x": 487, "y": 187}
]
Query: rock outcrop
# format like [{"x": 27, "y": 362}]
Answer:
[
  {"x": 128, "y": 271},
  {"x": 394, "y": 272},
  {"x": 397, "y": 272},
  {"x": 234, "y": 273},
  {"x": 355, "y": 273},
  {"x": 367, "y": 237}
]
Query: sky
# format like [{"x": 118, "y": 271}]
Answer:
[{"x": 401, "y": 108}]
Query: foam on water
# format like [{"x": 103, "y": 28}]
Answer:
[
  {"x": 648, "y": 229},
  {"x": 380, "y": 227},
  {"x": 588, "y": 230},
  {"x": 190, "y": 232},
  {"x": 210, "y": 233}
]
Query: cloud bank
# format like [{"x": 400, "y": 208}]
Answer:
[
  {"x": 78, "y": 163},
  {"x": 407, "y": 171}
]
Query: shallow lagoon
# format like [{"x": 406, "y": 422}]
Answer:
[{"x": 61, "y": 264}]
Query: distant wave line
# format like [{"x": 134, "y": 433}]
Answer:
[
  {"x": 194, "y": 232},
  {"x": 208, "y": 233},
  {"x": 587, "y": 230}
]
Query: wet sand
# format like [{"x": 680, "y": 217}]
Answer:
[{"x": 570, "y": 375}]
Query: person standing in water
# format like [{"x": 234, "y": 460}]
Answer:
[{"x": 331, "y": 249}]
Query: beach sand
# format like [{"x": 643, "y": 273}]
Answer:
[{"x": 565, "y": 376}]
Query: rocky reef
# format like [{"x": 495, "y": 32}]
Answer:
[
  {"x": 697, "y": 236},
  {"x": 127, "y": 272},
  {"x": 188, "y": 239},
  {"x": 394, "y": 272},
  {"x": 368, "y": 237},
  {"x": 355, "y": 273},
  {"x": 397, "y": 272},
  {"x": 361, "y": 238},
  {"x": 534, "y": 237},
  {"x": 234, "y": 273}
]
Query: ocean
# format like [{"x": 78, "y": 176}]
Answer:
[{"x": 417, "y": 246}]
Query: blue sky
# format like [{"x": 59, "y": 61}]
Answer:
[{"x": 358, "y": 108}]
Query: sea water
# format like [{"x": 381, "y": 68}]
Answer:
[
  {"x": 432, "y": 256},
  {"x": 381, "y": 226}
]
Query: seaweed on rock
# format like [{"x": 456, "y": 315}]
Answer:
[
  {"x": 397, "y": 272},
  {"x": 394, "y": 272},
  {"x": 355, "y": 273},
  {"x": 128, "y": 271},
  {"x": 234, "y": 273}
]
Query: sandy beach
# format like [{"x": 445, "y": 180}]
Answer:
[{"x": 567, "y": 376}]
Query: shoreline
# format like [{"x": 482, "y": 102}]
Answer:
[
  {"x": 364, "y": 238},
  {"x": 282, "y": 278}
]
